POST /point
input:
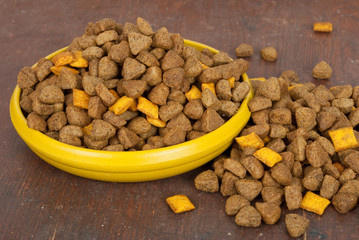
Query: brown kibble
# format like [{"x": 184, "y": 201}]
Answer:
[
  {"x": 253, "y": 166},
  {"x": 322, "y": 70},
  {"x": 270, "y": 89},
  {"x": 329, "y": 187},
  {"x": 51, "y": 94},
  {"x": 273, "y": 195},
  {"x": 119, "y": 52},
  {"x": 227, "y": 187},
  {"x": 235, "y": 203},
  {"x": 194, "y": 109},
  {"x": 344, "y": 202},
  {"x": 259, "y": 103},
  {"x": 244, "y": 50},
  {"x": 281, "y": 116},
  {"x": 296, "y": 224},
  {"x": 144, "y": 27},
  {"x": 77, "y": 116},
  {"x": 171, "y": 60},
  {"x": 281, "y": 173},
  {"x": 270, "y": 212},
  {"x": 313, "y": 178},
  {"x": 248, "y": 216},
  {"x": 132, "y": 69},
  {"x": 174, "y": 78},
  {"x": 162, "y": 39},
  {"x": 248, "y": 188},
  {"x": 316, "y": 155},
  {"x": 234, "y": 167},
  {"x": 36, "y": 122},
  {"x": 269, "y": 54},
  {"x": 207, "y": 181},
  {"x": 128, "y": 138},
  {"x": 290, "y": 76},
  {"x": 305, "y": 117},
  {"x": 293, "y": 196},
  {"x": 56, "y": 121},
  {"x": 268, "y": 181},
  {"x": 174, "y": 136},
  {"x": 240, "y": 91},
  {"x": 211, "y": 120}
]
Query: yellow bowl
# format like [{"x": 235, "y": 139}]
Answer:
[{"x": 131, "y": 166}]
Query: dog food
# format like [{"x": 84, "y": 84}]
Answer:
[
  {"x": 300, "y": 148},
  {"x": 132, "y": 83},
  {"x": 322, "y": 70},
  {"x": 322, "y": 27},
  {"x": 269, "y": 54},
  {"x": 244, "y": 50},
  {"x": 180, "y": 203},
  {"x": 296, "y": 224}
]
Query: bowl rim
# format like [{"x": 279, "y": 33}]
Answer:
[{"x": 113, "y": 161}]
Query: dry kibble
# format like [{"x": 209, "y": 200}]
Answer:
[
  {"x": 322, "y": 70},
  {"x": 270, "y": 212},
  {"x": 235, "y": 203},
  {"x": 248, "y": 216},
  {"x": 296, "y": 224},
  {"x": 244, "y": 50},
  {"x": 269, "y": 54},
  {"x": 207, "y": 181}
]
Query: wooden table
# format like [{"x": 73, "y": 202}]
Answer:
[{"x": 38, "y": 201}]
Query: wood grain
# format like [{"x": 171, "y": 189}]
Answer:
[{"x": 39, "y": 201}]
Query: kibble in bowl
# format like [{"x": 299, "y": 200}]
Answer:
[{"x": 131, "y": 166}]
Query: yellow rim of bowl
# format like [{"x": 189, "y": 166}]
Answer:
[{"x": 142, "y": 161}]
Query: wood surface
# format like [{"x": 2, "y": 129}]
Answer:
[{"x": 38, "y": 201}]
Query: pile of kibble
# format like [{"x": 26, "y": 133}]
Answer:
[
  {"x": 300, "y": 149},
  {"x": 126, "y": 87}
]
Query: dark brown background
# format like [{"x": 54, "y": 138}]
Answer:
[{"x": 38, "y": 201}]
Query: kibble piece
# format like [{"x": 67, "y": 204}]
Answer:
[
  {"x": 36, "y": 122},
  {"x": 180, "y": 203},
  {"x": 313, "y": 178},
  {"x": 114, "y": 120},
  {"x": 210, "y": 100},
  {"x": 132, "y": 69},
  {"x": 259, "y": 103},
  {"x": 95, "y": 108},
  {"x": 228, "y": 108},
  {"x": 290, "y": 76},
  {"x": 296, "y": 224},
  {"x": 269, "y": 54},
  {"x": 194, "y": 109},
  {"x": 174, "y": 78},
  {"x": 244, "y": 50},
  {"x": 305, "y": 117},
  {"x": 347, "y": 174},
  {"x": 138, "y": 42},
  {"x": 268, "y": 181},
  {"x": 128, "y": 138},
  {"x": 211, "y": 120},
  {"x": 162, "y": 39},
  {"x": 267, "y": 156},
  {"x": 354, "y": 117},
  {"x": 329, "y": 187},
  {"x": 107, "y": 69},
  {"x": 248, "y": 188},
  {"x": 67, "y": 79},
  {"x": 207, "y": 181},
  {"x": 234, "y": 167},
  {"x": 102, "y": 130},
  {"x": 323, "y": 27},
  {"x": 121, "y": 105},
  {"x": 293, "y": 196},
  {"x": 51, "y": 94},
  {"x": 316, "y": 155},
  {"x": 270, "y": 212},
  {"x": 250, "y": 140},
  {"x": 180, "y": 121},
  {"x": 278, "y": 131},
  {"x": 281, "y": 116},
  {"x": 147, "y": 107},
  {"x": 350, "y": 186},
  {"x": 270, "y": 89},
  {"x": 170, "y": 110},
  {"x": 235, "y": 203},
  {"x": 352, "y": 161},
  {"x": 174, "y": 136},
  {"x": 171, "y": 60},
  {"x": 248, "y": 216},
  {"x": 253, "y": 166},
  {"x": 345, "y": 105},
  {"x": 144, "y": 27},
  {"x": 209, "y": 75},
  {"x": 218, "y": 167},
  {"x": 273, "y": 195},
  {"x": 314, "y": 203},
  {"x": 240, "y": 91},
  {"x": 56, "y": 121},
  {"x": 227, "y": 187},
  {"x": 343, "y": 139},
  {"x": 106, "y": 96},
  {"x": 77, "y": 116},
  {"x": 344, "y": 202},
  {"x": 322, "y": 70},
  {"x": 281, "y": 173},
  {"x": 223, "y": 90}
]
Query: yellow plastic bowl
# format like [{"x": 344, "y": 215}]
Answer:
[{"x": 131, "y": 166}]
